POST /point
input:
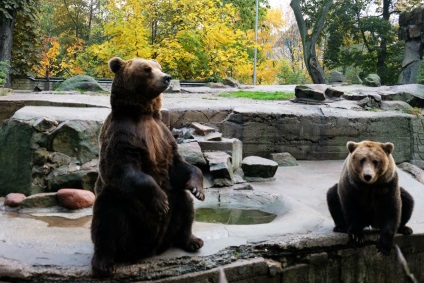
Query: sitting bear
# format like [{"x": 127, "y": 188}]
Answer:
[
  {"x": 368, "y": 194},
  {"x": 143, "y": 205}
]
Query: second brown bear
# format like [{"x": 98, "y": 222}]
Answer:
[{"x": 368, "y": 194}]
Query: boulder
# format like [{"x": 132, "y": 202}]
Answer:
[
  {"x": 372, "y": 80},
  {"x": 213, "y": 137},
  {"x": 309, "y": 92},
  {"x": 336, "y": 78},
  {"x": 220, "y": 168},
  {"x": 233, "y": 147},
  {"x": 45, "y": 124},
  {"x": 231, "y": 82},
  {"x": 192, "y": 153},
  {"x": 71, "y": 176},
  {"x": 333, "y": 93},
  {"x": 202, "y": 129},
  {"x": 42, "y": 200},
  {"x": 14, "y": 199},
  {"x": 174, "y": 86},
  {"x": 255, "y": 166},
  {"x": 80, "y": 82},
  {"x": 284, "y": 159},
  {"x": 75, "y": 198}
]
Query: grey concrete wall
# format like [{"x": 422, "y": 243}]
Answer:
[{"x": 28, "y": 84}]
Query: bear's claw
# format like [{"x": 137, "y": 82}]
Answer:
[{"x": 197, "y": 193}]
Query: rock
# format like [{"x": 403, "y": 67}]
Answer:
[
  {"x": 202, "y": 129},
  {"x": 216, "y": 85},
  {"x": 45, "y": 124},
  {"x": 220, "y": 167},
  {"x": 93, "y": 164},
  {"x": 77, "y": 138},
  {"x": 174, "y": 86},
  {"x": 59, "y": 158},
  {"x": 42, "y": 200},
  {"x": 231, "y": 82},
  {"x": 192, "y": 153},
  {"x": 333, "y": 93},
  {"x": 71, "y": 177},
  {"x": 372, "y": 80},
  {"x": 14, "y": 199},
  {"x": 233, "y": 147},
  {"x": 415, "y": 171},
  {"x": 80, "y": 82},
  {"x": 213, "y": 137},
  {"x": 242, "y": 187},
  {"x": 40, "y": 156},
  {"x": 409, "y": 74},
  {"x": 255, "y": 166},
  {"x": 75, "y": 198},
  {"x": 336, "y": 78},
  {"x": 395, "y": 105},
  {"x": 411, "y": 53},
  {"x": 309, "y": 92},
  {"x": 284, "y": 159}
]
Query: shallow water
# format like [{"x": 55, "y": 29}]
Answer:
[{"x": 233, "y": 216}]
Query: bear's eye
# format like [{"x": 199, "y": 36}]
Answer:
[
  {"x": 375, "y": 162},
  {"x": 147, "y": 69},
  {"x": 362, "y": 161}
]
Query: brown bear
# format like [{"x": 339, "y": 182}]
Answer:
[
  {"x": 143, "y": 205},
  {"x": 368, "y": 194}
]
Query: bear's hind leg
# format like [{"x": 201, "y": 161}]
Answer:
[
  {"x": 333, "y": 202},
  {"x": 180, "y": 228},
  {"x": 407, "y": 208}
]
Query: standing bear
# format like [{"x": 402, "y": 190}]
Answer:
[
  {"x": 143, "y": 204},
  {"x": 368, "y": 194}
]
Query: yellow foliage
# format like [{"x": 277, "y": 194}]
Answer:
[{"x": 48, "y": 66}]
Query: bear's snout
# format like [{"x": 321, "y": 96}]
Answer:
[
  {"x": 367, "y": 177},
  {"x": 167, "y": 79}
]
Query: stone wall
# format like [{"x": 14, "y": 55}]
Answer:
[
  {"x": 321, "y": 134},
  {"x": 43, "y": 84},
  {"x": 411, "y": 30}
]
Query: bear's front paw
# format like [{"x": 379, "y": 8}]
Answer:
[
  {"x": 198, "y": 193},
  {"x": 356, "y": 235},
  {"x": 161, "y": 205}
]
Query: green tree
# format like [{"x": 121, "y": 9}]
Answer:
[{"x": 9, "y": 9}]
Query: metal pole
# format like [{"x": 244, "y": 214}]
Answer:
[{"x": 256, "y": 42}]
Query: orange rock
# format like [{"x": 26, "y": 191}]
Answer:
[
  {"x": 75, "y": 198},
  {"x": 14, "y": 199}
]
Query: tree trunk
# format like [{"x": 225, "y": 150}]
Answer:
[
  {"x": 309, "y": 42},
  {"x": 382, "y": 50},
  {"x": 6, "y": 41}
]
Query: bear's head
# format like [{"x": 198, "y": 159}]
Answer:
[
  {"x": 371, "y": 161},
  {"x": 138, "y": 82}
]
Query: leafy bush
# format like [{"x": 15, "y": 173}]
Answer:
[
  {"x": 3, "y": 72},
  {"x": 420, "y": 77}
]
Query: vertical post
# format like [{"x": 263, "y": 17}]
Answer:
[{"x": 256, "y": 42}]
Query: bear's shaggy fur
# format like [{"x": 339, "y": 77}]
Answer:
[
  {"x": 142, "y": 204},
  {"x": 368, "y": 194}
]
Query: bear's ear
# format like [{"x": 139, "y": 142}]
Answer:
[
  {"x": 115, "y": 64},
  {"x": 388, "y": 147},
  {"x": 351, "y": 146}
]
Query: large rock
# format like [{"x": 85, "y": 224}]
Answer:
[
  {"x": 284, "y": 159},
  {"x": 336, "y": 78},
  {"x": 233, "y": 147},
  {"x": 71, "y": 177},
  {"x": 42, "y": 200},
  {"x": 14, "y": 199},
  {"x": 220, "y": 168},
  {"x": 80, "y": 82},
  {"x": 372, "y": 80},
  {"x": 255, "y": 166},
  {"x": 310, "y": 92},
  {"x": 31, "y": 145},
  {"x": 192, "y": 153},
  {"x": 75, "y": 199}
]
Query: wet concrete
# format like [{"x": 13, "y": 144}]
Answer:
[{"x": 47, "y": 248}]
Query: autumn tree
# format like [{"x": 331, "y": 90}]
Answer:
[{"x": 310, "y": 29}]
